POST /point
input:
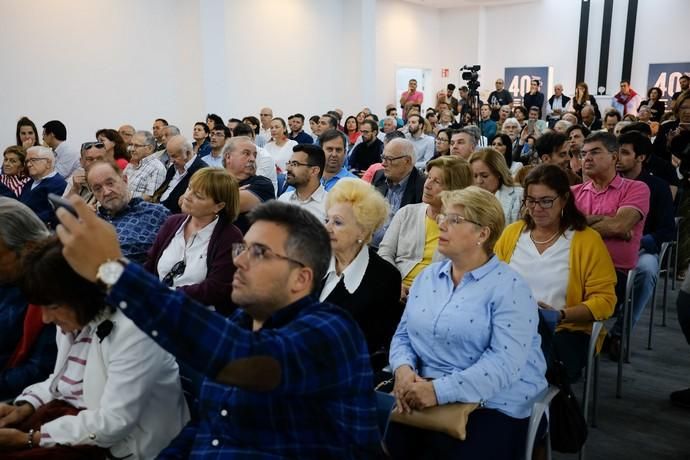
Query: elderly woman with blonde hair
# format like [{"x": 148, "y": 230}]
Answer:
[
  {"x": 492, "y": 174},
  {"x": 411, "y": 240},
  {"x": 358, "y": 279},
  {"x": 468, "y": 335}
]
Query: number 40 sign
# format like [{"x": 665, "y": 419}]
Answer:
[{"x": 666, "y": 76}]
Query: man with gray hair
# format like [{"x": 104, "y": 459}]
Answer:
[
  {"x": 388, "y": 125},
  {"x": 463, "y": 142},
  {"x": 40, "y": 165},
  {"x": 27, "y": 348},
  {"x": 183, "y": 164},
  {"x": 166, "y": 133},
  {"x": 144, "y": 172},
  {"x": 555, "y": 106},
  {"x": 239, "y": 156},
  {"x": 399, "y": 181}
]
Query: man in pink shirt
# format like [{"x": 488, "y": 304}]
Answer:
[
  {"x": 411, "y": 96},
  {"x": 615, "y": 207}
]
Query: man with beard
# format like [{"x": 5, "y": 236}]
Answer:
[
  {"x": 333, "y": 143},
  {"x": 136, "y": 221},
  {"x": 297, "y": 134},
  {"x": 219, "y": 134},
  {"x": 423, "y": 145},
  {"x": 367, "y": 152},
  {"x": 304, "y": 171},
  {"x": 552, "y": 148}
]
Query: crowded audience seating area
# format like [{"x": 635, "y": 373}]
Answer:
[
  {"x": 260, "y": 288},
  {"x": 443, "y": 276}
]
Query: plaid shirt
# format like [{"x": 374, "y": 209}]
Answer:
[
  {"x": 145, "y": 178},
  {"x": 137, "y": 226},
  {"x": 324, "y": 406},
  {"x": 40, "y": 361}
]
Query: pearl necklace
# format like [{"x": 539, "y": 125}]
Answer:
[{"x": 545, "y": 241}]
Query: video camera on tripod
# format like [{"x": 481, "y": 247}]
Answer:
[{"x": 471, "y": 77}]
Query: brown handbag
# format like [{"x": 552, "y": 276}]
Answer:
[{"x": 450, "y": 419}]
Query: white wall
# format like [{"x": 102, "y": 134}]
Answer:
[
  {"x": 102, "y": 63},
  {"x": 546, "y": 33},
  {"x": 407, "y": 35},
  {"x": 92, "y": 65},
  {"x": 510, "y": 36}
]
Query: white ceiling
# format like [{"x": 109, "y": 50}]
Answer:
[{"x": 466, "y": 3}]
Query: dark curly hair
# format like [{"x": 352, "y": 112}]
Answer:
[{"x": 48, "y": 280}]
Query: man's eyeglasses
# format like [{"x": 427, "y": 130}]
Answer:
[
  {"x": 385, "y": 159},
  {"x": 257, "y": 252},
  {"x": 175, "y": 272},
  {"x": 454, "y": 219},
  {"x": 32, "y": 160},
  {"x": 90, "y": 145},
  {"x": 544, "y": 203},
  {"x": 294, "y": 164}
]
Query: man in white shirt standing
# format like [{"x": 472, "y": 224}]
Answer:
[
  {"x": 304, "y": 171},
  {"x": 265, "y": 116},
  {"x": 67, "y": 157}
]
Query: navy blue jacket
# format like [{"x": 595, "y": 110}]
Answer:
[{"x": 37, "y": 199}]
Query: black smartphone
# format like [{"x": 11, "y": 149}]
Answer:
[{"x": 56, "y": 201}]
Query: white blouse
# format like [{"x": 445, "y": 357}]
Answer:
[
  {"x": 193, "y": 252},
  {"x": 353, "y": 274},
  {"x": 280, "y": 154},
  {"x": 546, "y": 273}
]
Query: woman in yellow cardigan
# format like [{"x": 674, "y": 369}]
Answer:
[{"x": 565, "y": 263}]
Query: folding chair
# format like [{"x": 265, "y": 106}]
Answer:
[
  {"x": 627, "y": 306},
  {"x": 662, "y": 255},
  {"x": 538, "y": 409}
]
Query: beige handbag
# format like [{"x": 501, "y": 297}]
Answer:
[{"x": 450, "y": 419}]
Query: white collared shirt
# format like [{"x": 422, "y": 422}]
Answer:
[
  {"x": 353, "y": 274},
  {"x": 177, "y": 178},
  {"x": 315, "y": 204},
  {"x": 66, "y": 159},
  {"x": 193, "y": 252}
]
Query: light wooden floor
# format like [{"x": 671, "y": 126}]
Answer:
[{"x": 643, "y": 424}]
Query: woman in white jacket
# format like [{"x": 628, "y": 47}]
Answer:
[
  {"x": 114, "y": 392},
  {"x": 411, "y": 239}
]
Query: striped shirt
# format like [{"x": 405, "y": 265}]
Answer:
[
  {"x": 14, "y": 183},
  {"x": 69, "y": 383}
]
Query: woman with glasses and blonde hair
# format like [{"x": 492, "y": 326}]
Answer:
[
  {"x": 358, "y": 279},
  {"x": 492, "y": 174},
  {"x": 565, "y": 263},
  {"x": 468, "y": 335},
  {"x": 193, "y": 250},
  {"x": 411, "y": 240}
]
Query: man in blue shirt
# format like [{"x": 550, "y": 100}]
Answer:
[
  {"x": 286, "y": 376},
  {"x": 137, "y": 222},
  {"x": 333, "y": 143}
]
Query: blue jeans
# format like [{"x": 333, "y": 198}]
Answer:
[{"x": 643, "y": 288}]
